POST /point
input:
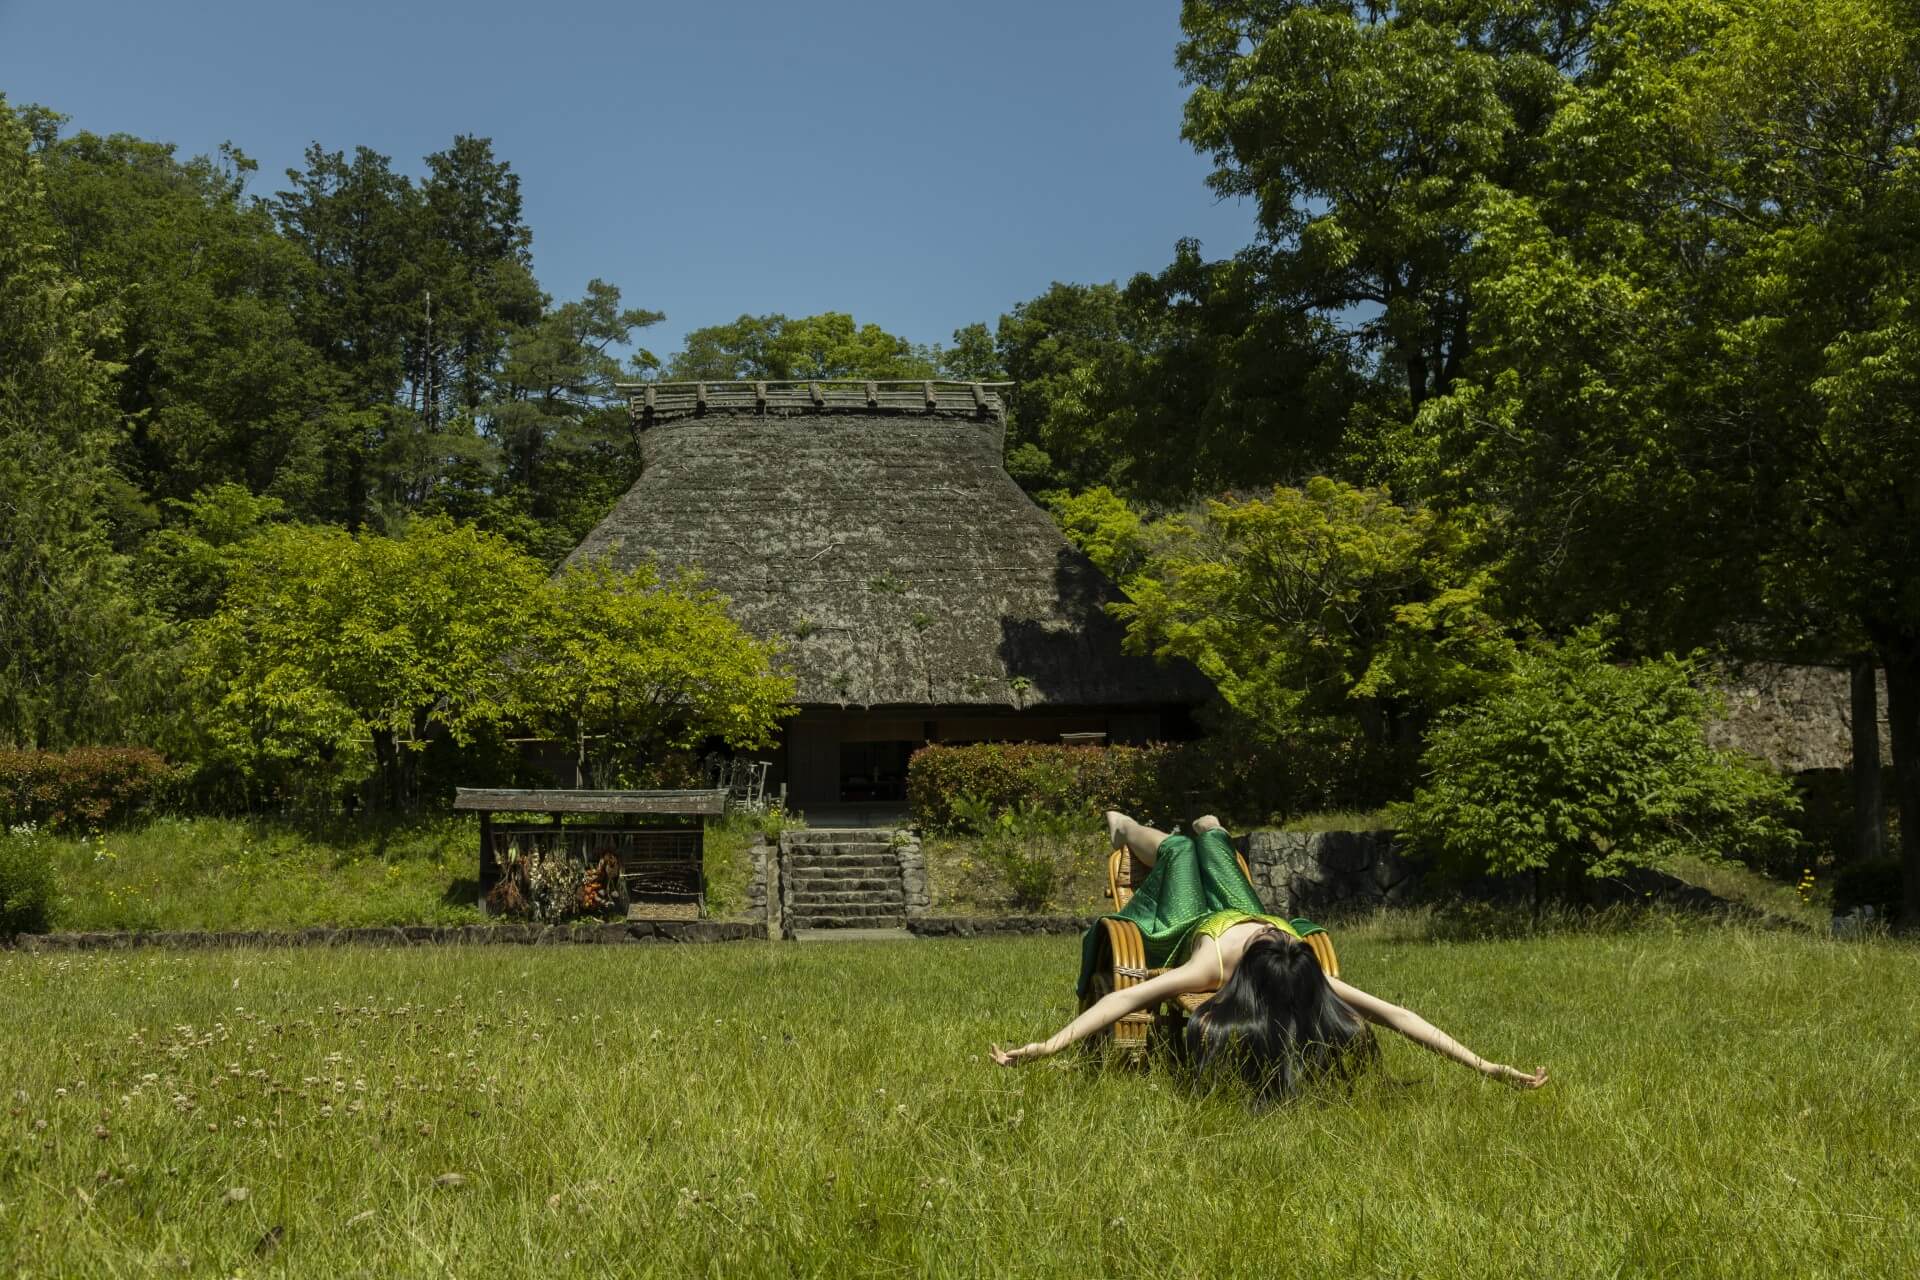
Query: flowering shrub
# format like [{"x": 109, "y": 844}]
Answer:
[
  {"x": 82, "y": 789},
  {"x": 26, "y": 881}
]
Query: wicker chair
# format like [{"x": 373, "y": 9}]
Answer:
[{"x": 1121, "y": 962}]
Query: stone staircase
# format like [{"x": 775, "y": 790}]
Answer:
[{"x": 841, "y": 879}]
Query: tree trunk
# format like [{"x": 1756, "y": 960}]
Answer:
[
  {"x": 386, "y": 768},
  {"x": 1900, "y": 655},
  {"x": 1869, "y": 804}
]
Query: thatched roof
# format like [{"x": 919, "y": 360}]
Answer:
[{"x": 878, "y": 539}]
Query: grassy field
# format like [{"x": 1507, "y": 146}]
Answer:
[
  {"x": 1725, "y": 1102},
  {"x": 257, "y": 873}
]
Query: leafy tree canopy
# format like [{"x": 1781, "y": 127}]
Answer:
[
  {"x": 774, "y": 347},
  {"x": 80, "y": 660},
  {"x": 626, "y": 666},
  {"x": 1322, "y": 608},
  {"x": 1694, "y": 395}
]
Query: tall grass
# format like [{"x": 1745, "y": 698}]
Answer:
[
  {"x": 257, "y": 873},
  {"x": 1724, "y": 1102},
  {"x": 252, "y": 873}
]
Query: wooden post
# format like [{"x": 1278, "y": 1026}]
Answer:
[{"x": 489, "y": 865}]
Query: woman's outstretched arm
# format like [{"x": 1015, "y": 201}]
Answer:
[
  {"x": 1197, "y": 974},
  {"x": 1427, "y": 1036}
]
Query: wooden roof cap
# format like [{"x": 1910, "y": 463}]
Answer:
[{"x": 650, "y": 400}]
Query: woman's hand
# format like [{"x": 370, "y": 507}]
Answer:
[
  {"x": 1515, "y": 1076},
  {"x": 1012, "y": 1057}
]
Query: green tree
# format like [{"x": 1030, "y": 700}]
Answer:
[
  {"x": 1188, "y": 381},
  {"x": 183, "y": 568},
  {"x": 1578, "y": 765},
  {"x": 1694, "y": 394},
  {"x": 774, "y": 347},
  {"x": 625, "y": 666},
  {"x": 211, "y": 376},
  {"x": 565, "y": 453},
  {"x": 334, "y": 657},
  {"x": 479, "y": 273},
  {"x": 80, "y": 661},
  {"x": 1328, "y": 613},
  {"x": 1365, "y": 133}
]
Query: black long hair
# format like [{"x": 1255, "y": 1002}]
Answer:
[{"x": 1277, "y": 1025}]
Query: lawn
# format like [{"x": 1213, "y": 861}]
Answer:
[
  {"x": 265, "y": 873},
  {"x": 1725, "y": 1102}
]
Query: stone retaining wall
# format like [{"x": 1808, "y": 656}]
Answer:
[
  {"x": 1315, "y": 873},
  {"x": 913, "y": 871}
]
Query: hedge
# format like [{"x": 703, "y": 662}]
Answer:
[
  {"x": 1143, "y": 781},
  {"x": 82, "y": 789}
]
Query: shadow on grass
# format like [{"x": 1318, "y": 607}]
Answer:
[{"x": 462, "y": 891}]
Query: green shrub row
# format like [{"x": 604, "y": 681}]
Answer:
[
  {"x": 1082, "y": 781},
  {"x": 81, "y": 789}
]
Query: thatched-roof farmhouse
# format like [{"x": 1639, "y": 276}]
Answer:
[{"x": 919, "y": 595}]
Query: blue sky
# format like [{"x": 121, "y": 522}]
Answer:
[{"x": 922, "y": 166}]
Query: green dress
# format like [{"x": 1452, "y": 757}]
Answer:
[{"x": 1191, "y": 881}]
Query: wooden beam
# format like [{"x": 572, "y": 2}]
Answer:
[{"x": 495, "y": 800}]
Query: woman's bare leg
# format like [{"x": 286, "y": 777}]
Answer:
[
  {"x": 1143, "y": 840},
  {"x": 1205, "y": 823}
]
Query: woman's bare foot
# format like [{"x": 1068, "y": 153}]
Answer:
[
  {"x": 1117, "y": 824},
  {"x": 1205, "y": 823}
]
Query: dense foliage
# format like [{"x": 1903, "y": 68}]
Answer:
[
  {"x": 624, "y": 667},
  {"x": 1581, "y": 765}
]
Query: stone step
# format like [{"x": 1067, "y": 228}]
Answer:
[
  {"x": 843, "y": 884},
  {"x": 798, "y": 922},
  {"x": 841, "y": 872},
  {"x": 874, "y": 837},
  {"x": 849, "y": 910},
  {"x": 896, "y": 900},
  {"x": 850, "y": 861}
]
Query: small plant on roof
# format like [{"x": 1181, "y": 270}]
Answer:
[
  {"x": 887, "y": 584},
  {"x": 921, "y": 619},
  {"x": 803, "y": 626}
]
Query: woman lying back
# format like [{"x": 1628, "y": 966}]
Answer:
[{"x": 1276, "y": 1020}]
